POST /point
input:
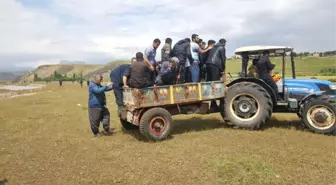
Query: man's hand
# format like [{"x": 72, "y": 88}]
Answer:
[
  {"x": 125, "y": 86},
  {"x": 210, "y": 47},
  {"x": 109, "y": 84},
  {"x": 151, "y": 68}
]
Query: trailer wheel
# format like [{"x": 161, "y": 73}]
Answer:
[
  {"x": 156, "y": 124},
  {"x": 127, "y": 125},
  {"x": 247, "y": 105},
  {"x": 319, "y": 115}
]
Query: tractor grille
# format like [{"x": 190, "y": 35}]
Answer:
[{"x": 323, "y": 87}]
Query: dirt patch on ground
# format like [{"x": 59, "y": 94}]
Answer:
[{"x": 12, "y": 91}]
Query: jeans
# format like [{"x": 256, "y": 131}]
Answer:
[{"x": 195, "y": 72}]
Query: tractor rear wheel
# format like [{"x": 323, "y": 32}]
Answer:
[
  {"x": 156, "y": 124},
  {"x": 247, "y": 105},
  {"x": 127, "y": 125},
  {"x": 319, "y": 115}
]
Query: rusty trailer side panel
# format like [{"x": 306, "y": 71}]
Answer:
[{"x": 174, "y": 94}]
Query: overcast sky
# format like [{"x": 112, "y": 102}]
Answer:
[{"x": 35, "y": 32}]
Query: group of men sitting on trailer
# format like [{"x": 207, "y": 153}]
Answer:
[{"x": 190, "y": 60}]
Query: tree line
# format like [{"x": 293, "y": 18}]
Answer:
[
  {"x": 321, "y": 54},
  {"x": 56, "y": 76}
]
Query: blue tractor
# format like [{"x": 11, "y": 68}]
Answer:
[{"x": 250, "y": 101}]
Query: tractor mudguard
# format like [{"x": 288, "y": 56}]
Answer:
[
  {"x": 259, "y": 82},
  {"x": 312, "y": 95}
]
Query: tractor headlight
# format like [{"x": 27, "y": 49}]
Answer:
[{"x": 332, "y": 87}]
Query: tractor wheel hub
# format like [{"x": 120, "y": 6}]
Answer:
[{"x": 320, "y": 117}]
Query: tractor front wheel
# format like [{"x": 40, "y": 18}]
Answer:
[
  {"x": 319, "y": 115},
  {"x": 156, "y": 124}
]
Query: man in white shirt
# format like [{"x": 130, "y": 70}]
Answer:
[{"x": 195, "y": 52}]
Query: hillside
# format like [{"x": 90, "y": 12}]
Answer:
[
  {"x": 87, "y": 70},
  {"x": 309, "y": 66}
]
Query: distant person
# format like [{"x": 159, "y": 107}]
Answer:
[
  {"x": 88, "y": 83},
  {"x": 98, "y": 112},
  {"x": 119, "y": 76},
  {"x": 167, "y": 74},
  {"x": 150, "y": 54},
  {"x": 215, "y": 65},
  {"x": 60, "y": 83},
  {"x": 166, "y": 50},
  {"x": 81, "y": 82},
  {"x": 265, "y": 67},
  {"x": 140, "y": 76}
]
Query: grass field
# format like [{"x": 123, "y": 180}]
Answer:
[
  {"x": 310, "y": 66},
  {"x": 46, "y": 139}
]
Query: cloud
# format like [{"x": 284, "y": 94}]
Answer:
[{"x": 34, "y": 32}]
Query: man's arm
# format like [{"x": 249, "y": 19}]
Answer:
[
  {"x": 125, "y": 81},
  {"x": 201, "y": 51},
  {"x": 149, "y": 64},
  {"x": 222, "y": 53},
  {"x": 189, "y": 56},
  {"x": 97, "y": 89}
]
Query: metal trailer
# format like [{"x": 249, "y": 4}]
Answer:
[{"x": 151, "y": 109}]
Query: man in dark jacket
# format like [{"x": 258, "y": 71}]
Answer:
[
  {"x": 98, "y": 111},
  {"x": 265, "y": 67},
  {"x": 140, "y": 75},
  {"x": 215, "y": 65},
  {"x": 166, "y": 50},
  {"x": 119, "y": 76},
  {"x": 181, "y": 51},
  {"x": 167, "y": 75},
  {"x": 203, "y": 59}
]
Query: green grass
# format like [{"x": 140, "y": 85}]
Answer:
[
  {"x": 46, "y": 139},
  {"x": 238, "y": 170},
  {"x": 310, "y": 66}
]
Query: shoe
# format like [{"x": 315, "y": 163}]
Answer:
[
  {"x": 108, "y": 131},
  {"x": 97, "y": 135}
]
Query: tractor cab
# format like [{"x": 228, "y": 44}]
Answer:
[{"x": 291, "y": 90}]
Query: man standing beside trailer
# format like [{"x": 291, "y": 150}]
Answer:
[{"x": 98, "y": 112}]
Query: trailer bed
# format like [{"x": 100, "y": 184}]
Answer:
[{"x": 173, "y": 94}]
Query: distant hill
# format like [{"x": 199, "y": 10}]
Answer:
[
  {"x": 71, "y": 62},
  {"x": 87, "y": 70},
  {"x": 11, "y": 76}
]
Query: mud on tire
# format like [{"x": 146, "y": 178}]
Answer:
[
  {"x": 127, "y": 125},
  {"x": 156, "y": 124},
  {"x": 247, "y": 105},
  {"x": 318, "y": 114}
]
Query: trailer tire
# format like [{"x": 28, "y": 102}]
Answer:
[
  {"x": 248, "y": 105},
  {"x": 317, "y": 110},
  {"x": 156, "y": 124},
  {"x": 127, "y": 125}
]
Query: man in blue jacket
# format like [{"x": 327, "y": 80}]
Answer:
[
  {"x": 119, "y": 77},
  {"x": 98, "y": 111}
]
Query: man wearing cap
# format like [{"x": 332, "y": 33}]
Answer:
[
  {"x": 167, "y": 74},
  {"x": 98, "y": 111}
]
